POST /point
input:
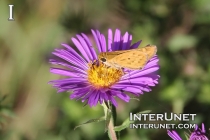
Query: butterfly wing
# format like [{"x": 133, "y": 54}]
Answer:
[
  {"x": 110, "y": 55},
  {"x": 150, "y": 50},
  {"x": 132, "y": 60}
]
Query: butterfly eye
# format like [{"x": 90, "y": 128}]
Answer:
[{"x": 103, "y": 59}]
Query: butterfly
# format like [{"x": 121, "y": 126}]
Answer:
[{"x": 132, "y": 59}]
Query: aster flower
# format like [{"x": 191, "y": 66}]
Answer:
[
  {"x": 197, "y": 134},
  {"x": 174, "y": 135},
  {"x": 97, "y": 83}
]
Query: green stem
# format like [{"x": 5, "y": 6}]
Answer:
[{"x": 110, "y": 112}]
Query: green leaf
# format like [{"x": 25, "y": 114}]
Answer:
[
  {"x": 91, "y": 121},
  {"x": 133, "y": 98},
  {"x": 127, "y": 122},
  {"x": 181, "y": 41},
  {"x": 7, "y": 112},
  {"x": 187, "y": 136}
]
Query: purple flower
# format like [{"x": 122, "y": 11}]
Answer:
[
  {"x": 94, "y": 82},
  {"x": 174, "y": 135},
  {"x": 197, "y": 134}
]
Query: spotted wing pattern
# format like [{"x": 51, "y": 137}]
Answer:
[
  {"x": 150, "y": 50},
  {"x": 131, "y": 60}
]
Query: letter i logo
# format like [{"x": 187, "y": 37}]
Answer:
[{"x": 11, "y": 13}]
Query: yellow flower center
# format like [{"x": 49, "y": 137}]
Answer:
[{"x": 101, "y": 76}]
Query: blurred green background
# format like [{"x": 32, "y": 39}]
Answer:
[{"x": 30, "y": 109}]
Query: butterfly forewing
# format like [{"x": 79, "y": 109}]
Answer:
[
  {"x": 110, "y": 55},
  {"x": 130, "y": 59},
  {"x": 150, "y": 50}
]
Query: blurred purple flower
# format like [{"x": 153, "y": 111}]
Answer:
[
  {"x": 97, "y": 83},
  {"x": 197, "y": 134},
  {"x": 174, "y": 135}
]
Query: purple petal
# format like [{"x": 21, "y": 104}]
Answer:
[
  {"x": 110, "y": 38},
  {"x": 116, "y": 40},
  {"x": 93, "y": 52},
  {"x": 129, "y": 42},
  {"x": 80, "y": 48},
  {"x": 125, "y": 41},
  {"x": 103, "y": 96},
  {"x": 103, "y": 43},
  {"x": 77, "y": 94},
  {"x": 122, "y": 96},
  {"x": 71, "y": 59},
  {"x": 135, "y": 45},
  {"x": 114, "y": 102},
  {"x": 73, "y": 52},
  {"x": 66, "y": 72},
  {"x": 93, "y": 99},
  {"x": 68, "y": 80},
  {"x": 142, "y": 80},
  {"x": 174, "y": 135},
  {"x": 203, "y": 128},
  {"x": 76, "y": 69},
  {"x": 97, "y": 41},
  {"x": 85, "y": 46},
  {"x": 134, "y": 89},
  {"x": 141, "y": 73}
]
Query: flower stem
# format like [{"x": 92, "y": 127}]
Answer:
[
  {"x": 110, "y": 115},
  {"x": 112, "y": 134}
]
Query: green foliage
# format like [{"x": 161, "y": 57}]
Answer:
[
  {"x": 179, "y": 42},
  {"x": 127, "y": 122},
  {"x": 90, "y": 121}
]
